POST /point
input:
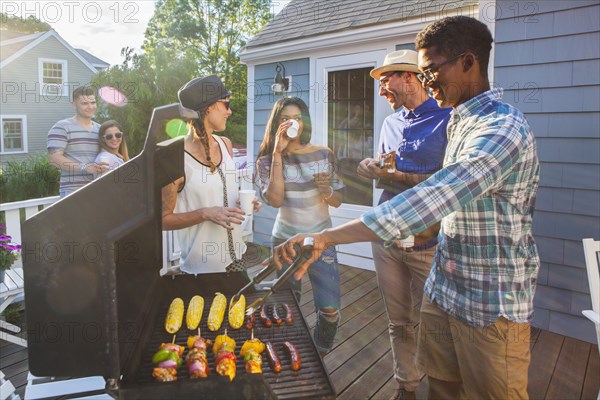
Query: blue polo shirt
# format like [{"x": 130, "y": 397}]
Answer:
[{"x": 419, "y": 138}]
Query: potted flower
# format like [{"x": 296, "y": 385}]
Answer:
[{"x": 8, "y": 252}]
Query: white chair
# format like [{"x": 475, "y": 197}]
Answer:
[
  {"x": 45, "y": 387},
  {"x": 591, "y": 249},
  {"x": 11, "y": 290},
  {"x": 7, "y": 389}
]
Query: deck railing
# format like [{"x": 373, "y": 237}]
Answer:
[{"x": 13, "y": 215}]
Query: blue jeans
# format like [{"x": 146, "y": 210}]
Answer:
[{"x": 324, "y": 275}]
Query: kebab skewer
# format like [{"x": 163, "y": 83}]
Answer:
[
  {"x": 166, "y": 361},
  {"x": 195, "y": 359},
  {"x": 251, "y": 351},
  {"x": 223, "y": 349}
]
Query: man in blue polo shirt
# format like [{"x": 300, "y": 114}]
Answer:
[{"x": 414, "y": 136}]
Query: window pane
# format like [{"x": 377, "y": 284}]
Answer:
[
  {"x": 350, "y": 129},
  {"x": 13, "y": 134},
  {"x": 52, "y": 73}
]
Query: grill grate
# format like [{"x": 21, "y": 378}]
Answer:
[{"x": 311, "y": 381}]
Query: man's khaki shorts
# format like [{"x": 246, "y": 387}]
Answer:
[{"x": 490, "y": 362}]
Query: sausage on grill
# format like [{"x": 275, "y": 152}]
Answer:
[
  {"x": 294, "y": 355},
  {"x": 289, "y": 314},
  {"x": 272, "y": 356},
  {"x": 266, "y": 321},
  {"x": 275, "y": 315},
  {"x": 250, "y": 321}
]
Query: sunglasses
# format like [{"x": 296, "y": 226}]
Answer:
[
  {"x": 226, "y": 103},
  {"x": 118, "y": 135},
  {"x": 430, "y": 74}
]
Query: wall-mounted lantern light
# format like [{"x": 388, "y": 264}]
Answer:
[{"x": 281, "y": 82}]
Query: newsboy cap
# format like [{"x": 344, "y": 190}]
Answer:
[{"x": 200, "y": 93}]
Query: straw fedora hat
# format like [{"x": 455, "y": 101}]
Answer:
[{"x": 401, "y": 60}]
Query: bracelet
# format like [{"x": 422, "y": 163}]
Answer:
[
  {"x": 330, "y": 194},
  {"x": 82, "y": 168}
]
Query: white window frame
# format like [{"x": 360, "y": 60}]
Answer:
[
  {"x": 65, "y": 78},
  {"x": 23, "y": 119}
]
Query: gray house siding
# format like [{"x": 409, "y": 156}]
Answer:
[
  {"x": 548, "y": 60},
  {"x": 263, "y": 103},
  {"x": 41, "y": 111}
]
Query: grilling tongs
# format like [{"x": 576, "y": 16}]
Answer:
[{"x": 303, "y": 253}]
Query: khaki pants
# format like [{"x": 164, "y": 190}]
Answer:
[
  {"x": 473, "y": 363},
  {"x": 401, "y": 276}
]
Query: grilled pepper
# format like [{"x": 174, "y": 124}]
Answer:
[
  {"x": 236, "y": 313},
  {"x": 254, "y": 344},
  {"x": 253, "y": 362},
  {"x": 217, "y": 312},
  {"x": 194, "y": 312},
  {"x": 174, "y": 316},
  {"x": 225, "y": 342}
]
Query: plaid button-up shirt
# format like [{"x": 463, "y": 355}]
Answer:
[{"x": 486, "y": 262}]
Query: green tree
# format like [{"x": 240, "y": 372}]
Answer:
[
  {"x": 184, "y": 39},
  {"x": 23, "y": 25},
  {"x": 145, "y": 87},
  {"x": 211, "y": 32}
]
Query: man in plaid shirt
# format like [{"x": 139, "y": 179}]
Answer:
[{"x": 474, "y": 334}]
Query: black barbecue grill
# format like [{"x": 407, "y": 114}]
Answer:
[{"x": 96, "y": 304}]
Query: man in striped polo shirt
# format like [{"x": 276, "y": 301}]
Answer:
[{"x": 73, "y": 143}]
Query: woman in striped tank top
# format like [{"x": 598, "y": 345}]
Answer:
[{"x": 299, "y": 179}]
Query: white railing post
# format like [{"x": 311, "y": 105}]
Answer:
[{"x": 12, "y": 212}]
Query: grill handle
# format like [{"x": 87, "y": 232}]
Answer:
[{"x": 305, "y": 252}]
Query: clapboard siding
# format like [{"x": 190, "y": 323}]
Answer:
[
  {"x": 263, "y": 103},
  {"x": 42, "y": 111},
  {"x": 578, "y": 125},
  {"x": 548, "y": 60}
]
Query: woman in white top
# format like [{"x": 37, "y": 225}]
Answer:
[
  {"x": 113, "y": 148},
  {"x": 202, "y": 205}
]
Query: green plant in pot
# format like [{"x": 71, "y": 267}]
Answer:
[{"x": 8, "y": 252}]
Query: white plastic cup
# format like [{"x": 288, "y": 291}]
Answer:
[
  {"x": 246, "y": 201},
  {"x": 238, "y": 229},
  {"x": 292, "y": 131}
]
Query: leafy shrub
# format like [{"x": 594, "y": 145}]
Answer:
[{"x": 28, "y": 179}]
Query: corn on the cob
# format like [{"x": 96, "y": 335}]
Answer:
[
  {"x": 217, "y": 312},
  {"x": 237, "y": 312},
  {"x": 174, "y": 316},
  {"x": 194, "y": 312}
]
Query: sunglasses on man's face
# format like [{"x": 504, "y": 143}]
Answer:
[
  {"x": 118, "y": 135},
  {"x": 226, "y": 103}
]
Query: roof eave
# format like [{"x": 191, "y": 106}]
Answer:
[
  {"x": 249, "y": 55},
  {"x": 41, "y": 39}
]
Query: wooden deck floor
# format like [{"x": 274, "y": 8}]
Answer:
[{"x": 360, "y": 364}]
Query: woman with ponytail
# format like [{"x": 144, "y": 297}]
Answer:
[{"x": 202, "y": 205}]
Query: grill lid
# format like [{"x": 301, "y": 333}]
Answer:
[{"x": 79, "y": 254}]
